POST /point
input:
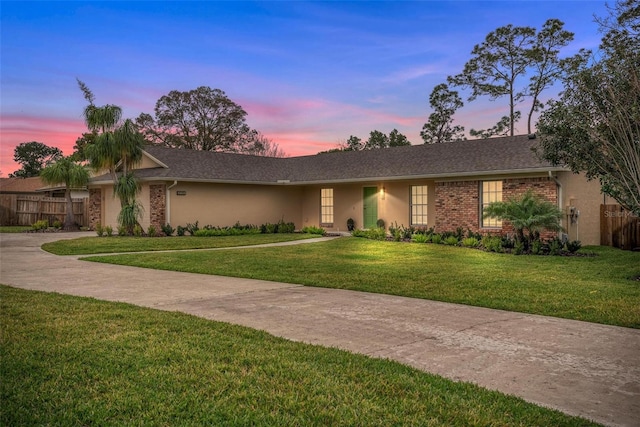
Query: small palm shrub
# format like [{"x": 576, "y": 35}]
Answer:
[
  {"x": 311, "y": 229},
  {"x": 99, "y": 230},
  {"x": 436, "y": 238},
  {"x": 451, "y": 241},
  {"x": 180, "y": 231},
  {"x": 137, "y": 230},
  {"x": 529, "y": 215},
  {"x": 470, "y": 242},
  {"x": 122, "y": 231},
  {"x": 57, "y": 224},
  {"x": 492, "y": 243},
  {"x": 419, "y": 238},
  {"x": 108, "y": 231},
  {"x": 151, "y": 230}
]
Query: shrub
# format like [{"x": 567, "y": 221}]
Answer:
[
  {"x": 419, "y": 238},
  {"x": 311, "y": 229},
  {"x": 436, "y": 238},
  {"x": 451, "y": 241},
  {"x": 57, "y": 224},
  {"x": 574, "y": 246},
  {"x": 192, "y": 228},
  {"x": 180, "y": 230},
  {"x": 122, "y": 231},
  {"x": 43, "y": 224},
  {"x": 380, "y": 223},
  {"x": 108, "y": 230},
  {"x": 492, "y": 243},
  {"x": 167, "y": 229},
  {"x": 555, "y": 246},
  {"x": 470, "y": 242},
  {"x": 151, "y": 230},
  {"x": 137, "y": 230},
  {"x": 286, "y": 227},
  {"x": 372, "y": 233},
  {"x": 518, "y": 248},
  {"x": 536, "y": 247},
  {"x": 99, "y": 230}
]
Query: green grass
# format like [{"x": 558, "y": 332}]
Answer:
[
  {"x": 14, "y": 228},
  {"x": 105, "y": 245},
  {"x": 77, "y": 361},
  {"x": 596, "y": 289}
]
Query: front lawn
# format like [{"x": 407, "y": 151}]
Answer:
[
  {"x": 113, "y": 244},
  {"x": 15, "y": 228},
  {"x": 77, "y": 361},
  {"x": 595, "y": 289}
]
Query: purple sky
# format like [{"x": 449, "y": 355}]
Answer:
[{"x": 309, "y": 74}]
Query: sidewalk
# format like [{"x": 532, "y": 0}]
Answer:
[{"x": 579, "y": 368}]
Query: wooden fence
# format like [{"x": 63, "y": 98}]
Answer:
[
  {"x": 619, "y": 227},
  {"x": 26, "y": 210}
]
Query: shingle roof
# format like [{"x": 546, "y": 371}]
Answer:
[
  {"x": 464, "y": 158},
  {"x": 20, "y": 185}
]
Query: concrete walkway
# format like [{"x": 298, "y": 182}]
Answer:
[{"x": 579, "y": 368}]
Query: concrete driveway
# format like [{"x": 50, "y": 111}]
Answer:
[{"x": 580, "y": 368}]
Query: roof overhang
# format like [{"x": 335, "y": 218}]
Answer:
[{"x": 286, "y": 182}]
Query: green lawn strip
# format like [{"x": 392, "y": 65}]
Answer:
[
  {"x": 77, "y": 361},
  {"x": 15, "y": 228},
  {"x": 595, "y": 289},
  {"x": 114, "y": 244}
]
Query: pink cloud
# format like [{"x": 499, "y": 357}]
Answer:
[{"x": 56, "y": 132}]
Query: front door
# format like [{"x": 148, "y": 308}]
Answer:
[{"x": 370, "y": 207}]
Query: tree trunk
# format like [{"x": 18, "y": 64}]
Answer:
[{"x": 69, "y": 221}]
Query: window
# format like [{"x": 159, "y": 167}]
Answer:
[
  {"x": 418, "y": 205},
  {"x": 326, "y": 206},
  {"x": 491, "y": 192}
]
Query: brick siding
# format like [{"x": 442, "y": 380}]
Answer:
[
  {"x": 158, "y": 204},
  {"x": 458, "y": 202},
  {"x": 95, "y": 207},
  {"x": 457, "y": 205}
]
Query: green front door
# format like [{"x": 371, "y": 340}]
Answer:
[{"x": 369, "y": 207}]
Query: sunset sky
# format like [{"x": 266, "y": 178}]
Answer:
[{"x": 309, "y": 74}]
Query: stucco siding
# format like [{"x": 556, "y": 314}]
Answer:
[
  {"x": 223, "y": 205},
  {"x": 586, "y": 197},
  {"x": 393, "y": 203}
]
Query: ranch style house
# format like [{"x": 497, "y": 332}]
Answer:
[{"x": 444, "y": 186}]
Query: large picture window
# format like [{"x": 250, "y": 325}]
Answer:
[
  {"x": 419, "y": 205},
  {"x": 326, "y": 206},
  {"x": 491, "y": 192}
]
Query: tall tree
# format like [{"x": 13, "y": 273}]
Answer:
[
  {"x": 547, "y": 67},
  {"x": 353, "y": 144},
  {"x": 265, "y": 147},
  {"x": 117, "y": 147},
  {"x": 396, "y": 139},
  {"x": 496, "y": 65},
  {"x": 439, "y": 127},
  {"x": 200, "y": 119},
  {"x": 33, "y": 156},
  {"x": 501, "y": 128},
  {"x": 376, "y": 139},
  {"x": 73, "y": 175},
  {"x": 595, "y": 126}
]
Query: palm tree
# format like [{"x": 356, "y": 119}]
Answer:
[
  {"x": 117, "y": 148},
  {"x": 72, "y": 175},
  {"x": 529, "y": 215}
]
